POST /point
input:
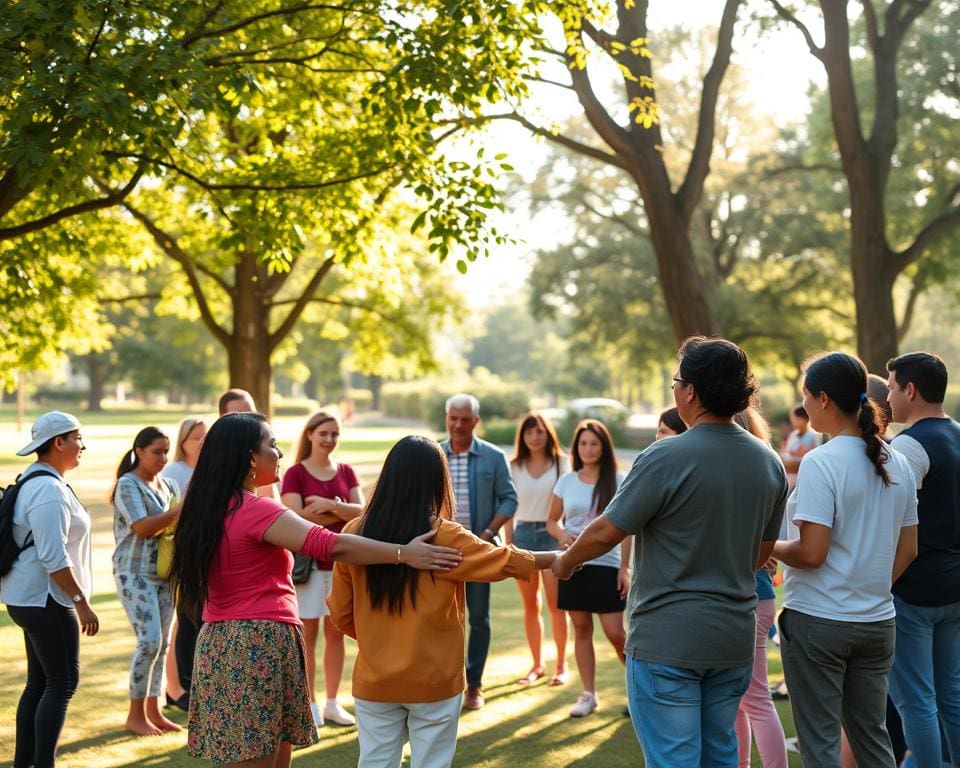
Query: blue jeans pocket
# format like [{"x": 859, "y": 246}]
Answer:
[{"x": 672, "y": 684}]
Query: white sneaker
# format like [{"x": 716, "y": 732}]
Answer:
[
  {"x": 315, "y": 711},
  {"x": 334, "y": 713},
  {"x": 585, "y": 704}
]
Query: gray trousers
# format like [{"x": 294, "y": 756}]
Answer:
[{"x": 836, "y": 672}]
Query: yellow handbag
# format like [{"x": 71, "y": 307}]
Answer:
[
  {"x": 165, "y": 553},
  {"x": 165, "y": 546}
]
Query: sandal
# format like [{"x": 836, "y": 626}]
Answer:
[
  {"x": 559, "y": 678},
  {"x": 532, "y": 676}
]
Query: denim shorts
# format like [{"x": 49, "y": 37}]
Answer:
[{"x": 533, "y": 536}]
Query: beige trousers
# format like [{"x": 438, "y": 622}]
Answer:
[{"x": 431, "y": 729}]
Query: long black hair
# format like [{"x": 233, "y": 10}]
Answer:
[
  {"x": 843, "y": 378},
  {"x": 216, "y": 489},
  {"x": 606, "y": 485},
  {"x": 414, "y": 489},
  {"x": 130, "y": 460}
]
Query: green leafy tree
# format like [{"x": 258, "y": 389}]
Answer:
[
  {"x": 893, "y": 101},
  {"x": 289, "y": 122},
  {"x": 627, "y": 130}
]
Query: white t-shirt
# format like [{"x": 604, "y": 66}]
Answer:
[
  {"x": 578, "y": 511},
  {"x": 60, "y": 526},
  {"x": 178, "y": 473},
  {"x": 915, "y": 454},
  {"x": 838, "y": 487},
  {"x": 534, "y": 494}
]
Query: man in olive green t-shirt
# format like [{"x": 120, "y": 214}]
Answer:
[{"x": 705, "y": 508}]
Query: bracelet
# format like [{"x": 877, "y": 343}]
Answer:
[
  {"x": 492, "y": 533},
  {"x": 398, "y": 555}
]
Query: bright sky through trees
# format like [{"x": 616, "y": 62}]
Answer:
[{"x": 779, "y": 71}]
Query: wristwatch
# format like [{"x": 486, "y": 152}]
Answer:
[
  {"x": 77, "y": 598},
  {"x": 492, "y": 533}
]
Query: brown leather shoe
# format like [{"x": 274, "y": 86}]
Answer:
[{"x": 473, "y": 698}]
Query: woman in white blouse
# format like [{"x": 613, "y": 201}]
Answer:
[
  {"x": 47, "y": 588},
  {"x": 535, "y": 467}
]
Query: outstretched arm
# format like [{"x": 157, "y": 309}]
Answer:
[
  {"x": 291, "y": 531},
  {"x": 596, "y": 539}
]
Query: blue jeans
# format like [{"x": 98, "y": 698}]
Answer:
[
  {"x": 478, "y": 616},
  {"x": 925, "y": 679},
  {"x": 685, "y": 716}
]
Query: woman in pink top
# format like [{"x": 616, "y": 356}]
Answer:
[
  {"x": 232, "y": 560},
  {"x": 326, "y": 492}
]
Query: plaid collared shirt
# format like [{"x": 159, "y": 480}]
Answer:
[{"x": 460, "y": 474}]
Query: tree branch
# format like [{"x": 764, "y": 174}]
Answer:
[
  {"x": 789, "y": 16},
  {"x": 691, "y": 190},
  {"x": 199, "y": 34},
  {"x": 939, "y": 226},
  {"x": 873, "y": 34},
  {"x": 170, "y": 247},
  {"x": 556, "y": 138},
  {"x": 128, "y": 299},
  {"x": 772, "y": 172},
  {"x": 210, "y": 186},
  {"x": 299, "y": 304},
  {"x": 112, "y": 198},
  {"x": 916, "y": 288},
  {"x": 605, "y": 126}
]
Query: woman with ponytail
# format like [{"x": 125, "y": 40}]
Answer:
[
  {"x": 144, "y": 505},
  {"x": 855, "y": 505},
  {"x": 249, "y": 703}
]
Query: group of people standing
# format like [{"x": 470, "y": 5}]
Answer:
[{"x": 684, "y": 544}]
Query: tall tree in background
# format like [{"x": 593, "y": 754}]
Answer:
[
  {"x": 217, "y": 103},
  {"x": 869, "y": 127},
  {"x": 639, "y": 145}
]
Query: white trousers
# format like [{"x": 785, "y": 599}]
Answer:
[{"x": 431, "y": 728}]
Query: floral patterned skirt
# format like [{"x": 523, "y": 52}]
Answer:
[{"x": 249, "y": 691}]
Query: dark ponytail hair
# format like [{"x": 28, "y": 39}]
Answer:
[
  {"x": 216, "y": 489},
  {"x": 413, "y": 489},
  {"x": 843, "y": 378},
  {"x": 606, "y": 487},
  {"x": 130, "y": 460}
]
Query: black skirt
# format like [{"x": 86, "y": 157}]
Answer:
[{"x": 592, "y": 589}]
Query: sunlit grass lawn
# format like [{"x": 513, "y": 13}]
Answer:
[{"x": 519, "y": 726}]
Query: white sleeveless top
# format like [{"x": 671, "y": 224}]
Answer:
[{"x": 534, "y": 494}]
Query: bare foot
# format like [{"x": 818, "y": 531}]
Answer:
[
  {"x": 165, "y": 724},
  {"x": 141, "y": 728}
]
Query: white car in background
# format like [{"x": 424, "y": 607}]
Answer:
[{"x": 603, "y": 409}]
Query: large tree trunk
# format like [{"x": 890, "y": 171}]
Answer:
[
  {"x": 248, "y": 350},
  {"x": 680, "y": 279},
  {"x": 96, "y": 374},
  {"x": 376, "y": 391},
  {"x": 873, "y": 277}
]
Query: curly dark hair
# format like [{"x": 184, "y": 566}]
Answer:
[{"x": 720, "y": 373}]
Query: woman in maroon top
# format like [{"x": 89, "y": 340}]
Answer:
[{"x": 325, "y": 492}]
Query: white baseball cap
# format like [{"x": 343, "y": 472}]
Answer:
[{"x": 48, "y": 426}]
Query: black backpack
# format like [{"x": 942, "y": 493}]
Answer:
[{"x": 9, "y": 551}]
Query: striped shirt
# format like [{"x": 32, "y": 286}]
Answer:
[
  {"x": 460, "y": 474},
  {"x": 132, "y": 501}
]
